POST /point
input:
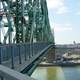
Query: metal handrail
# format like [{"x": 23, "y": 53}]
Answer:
[
  {"x": 9, "y": 74},
  {"x": 11, "y": 51}
]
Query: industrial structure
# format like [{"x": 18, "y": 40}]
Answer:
[
  {"x": 25, "y": 37},
  {"x": 24, "y": 21}
]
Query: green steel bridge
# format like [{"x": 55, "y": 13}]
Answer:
[
  {"x": 25, "y": 37},
  {"x": 25, "y": 21}
]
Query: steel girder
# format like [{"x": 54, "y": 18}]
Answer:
[
  {"x": 5, "y": 11},
  {"x": 30, "y": 21}
]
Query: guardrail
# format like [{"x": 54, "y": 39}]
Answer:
[
  {"x": 26, "y": 51},
  {"x": 36, "y": 60},
  {"x": 9, "y": 74}
]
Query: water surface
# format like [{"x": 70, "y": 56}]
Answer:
[{"x": 57, "y": 73}]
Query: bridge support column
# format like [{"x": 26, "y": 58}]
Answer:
[
  {"x": 1, "y": 78},
  {"x": 0, "y": 55},
  {"x": 12, "y": 57}
]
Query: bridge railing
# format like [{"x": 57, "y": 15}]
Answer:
[
  {"x": 9, "y": 74},
  {"x": 10, "y": 52}
]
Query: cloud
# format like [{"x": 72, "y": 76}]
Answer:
[
  {"x": 78, "y": 13},
  {"x": 55, "y": 3},
  {"x": 62, "y": 27},
  {"x": 68, "y": 24},
  {"x": 62, "y": 10},
  {"x": 58, "y": 6}
]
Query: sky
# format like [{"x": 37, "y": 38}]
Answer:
[{"x": 64, "y": 16}]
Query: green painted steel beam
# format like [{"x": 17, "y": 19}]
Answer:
[{"x": 31, "y": 22}]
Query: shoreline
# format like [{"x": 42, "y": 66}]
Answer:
[{"x": 59, "y": 64}]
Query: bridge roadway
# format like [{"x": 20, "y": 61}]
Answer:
[{"x": 21, "y": 62}]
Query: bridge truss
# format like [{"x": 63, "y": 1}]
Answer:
[{"x": 24, "y": 21}]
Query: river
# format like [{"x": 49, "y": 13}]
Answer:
[{"x": 57, "y": 73}]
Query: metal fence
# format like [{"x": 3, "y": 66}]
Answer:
[
  {"x": 13, "y": 51},
  {"x": 10, "y": 52}
]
